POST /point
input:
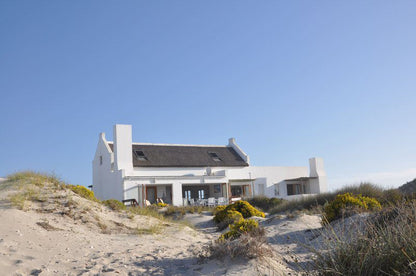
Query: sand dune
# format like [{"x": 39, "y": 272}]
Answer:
[{"x": 61, "y": 233}]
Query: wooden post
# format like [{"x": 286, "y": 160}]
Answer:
[{"x": 143, "y": 196}]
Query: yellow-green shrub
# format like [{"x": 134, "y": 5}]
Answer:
[
  {"x": 240, "y": 227},
  {"x": 114, "y": 204},
  {"x": 334, "y": 209},
  {"x": 83, "y": 191},
  {"x": 240, "y": 206},
  {"x": 229, "y": 217},
  {"x": 160, "y": 204},
  {"x": 246, "y": 209},
  {"x": 219, "y": 209}
]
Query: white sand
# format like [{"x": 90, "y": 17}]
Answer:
[{"x": 290, "y": 237}]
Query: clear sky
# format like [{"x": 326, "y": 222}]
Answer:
[{"x": 288, "y": 79}]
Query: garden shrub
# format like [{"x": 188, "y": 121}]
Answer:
[
  {"x": 161, "y": 204},
  {"x": 345, "y": 203},
  {"x": 114, "y": 204},
  {"x": 83, "y": 192},
  {"x": 240, "y": 227}
]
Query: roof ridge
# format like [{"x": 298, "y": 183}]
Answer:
[{"x": 174, "y": 145}]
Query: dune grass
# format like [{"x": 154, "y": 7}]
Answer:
[
  {"x": 152, "y": 230},
  {"x": 386, "y": 247},
  {"x": 35, "y": 178}
]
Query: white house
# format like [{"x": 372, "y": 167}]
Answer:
[{"x": 182, "y": 174}]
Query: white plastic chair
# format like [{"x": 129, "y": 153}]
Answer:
[
  {"x": 222, "y": 201},
  {"x": 211, "y": 201}
]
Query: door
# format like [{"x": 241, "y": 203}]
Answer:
[
  {"x": 168, "y": 195},
  {"x": 151, "y": 194},
  {"x": 261, "y": 189}
]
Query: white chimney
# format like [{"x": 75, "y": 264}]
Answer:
[
  {"x": 123, "y": 151},
  {"x": 316, "y": 167},
  {"x": 318, "y": 184}
]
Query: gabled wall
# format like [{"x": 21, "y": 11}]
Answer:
[{"x": 107, "y": 183}]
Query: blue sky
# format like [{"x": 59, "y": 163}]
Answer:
[{"x": 288, "y": 79}]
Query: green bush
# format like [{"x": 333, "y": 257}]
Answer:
[
  {"x": 83, "y": 192},
  {"x": 347, "y": 204},
  {"x": 240, "y": 206},
  {"x": 240, "y": 227},
  {"x": 160, "y": 204},
  {"x": 114, "y": 204},
  {"x": 265, "y": 203}
]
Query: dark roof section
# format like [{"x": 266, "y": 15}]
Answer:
[{"x": 186, "y": 156}]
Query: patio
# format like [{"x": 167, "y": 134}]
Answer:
[{"x": 205, "y": 195}]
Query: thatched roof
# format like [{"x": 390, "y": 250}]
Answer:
[{"x": 151, "y": 155}]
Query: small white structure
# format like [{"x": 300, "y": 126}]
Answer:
[{"x": 191, "y": 174}]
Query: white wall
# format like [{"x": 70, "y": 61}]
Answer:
[{"x": 276, "y": 175}]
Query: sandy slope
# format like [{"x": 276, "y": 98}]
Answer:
[
  {"x": 26, "y": 247},
  {"x": 291, "y": 237}
]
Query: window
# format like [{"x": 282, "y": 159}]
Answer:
[
  {"x": 295, "y": 189},
  {"x": 101, "y": 160},
  {"x": 140, "y": 155},
  {"x": 201, "y": 194},
  {"x": 214, "y": 156},
  {"x": 236, "y": 191},
  {"x": 188, "y": 195}
]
